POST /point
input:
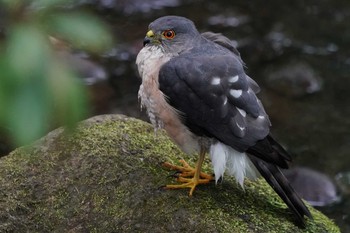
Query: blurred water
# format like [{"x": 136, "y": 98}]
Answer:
[{"x": 308, "y": 40}]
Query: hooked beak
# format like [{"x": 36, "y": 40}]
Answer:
[{"x": 148, "y": 38}]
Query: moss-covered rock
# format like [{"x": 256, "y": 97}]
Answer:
[{"x": 106, "y": 178}]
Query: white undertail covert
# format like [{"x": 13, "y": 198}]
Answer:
[{"x": 237, "y": 164}]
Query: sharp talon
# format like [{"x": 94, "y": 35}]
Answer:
[
  {"x": 161, "y": 163},
  {"x": 187, "y": 176},
  {"x": 163, "y": 187},
  {"x": 220, "y": 180},
  {"x": 175, "y": 174}
]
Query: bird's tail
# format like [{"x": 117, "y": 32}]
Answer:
[{"x": 280, "y": 184}]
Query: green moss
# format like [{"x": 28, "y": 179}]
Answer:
[{"x": 106, "y": 178}]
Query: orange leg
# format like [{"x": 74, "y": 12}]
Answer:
[{"x": 190, "y": 177}]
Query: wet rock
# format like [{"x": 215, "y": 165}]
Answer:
[
  {"x": 95, "y": 78},
  {"x": 92, "y": 74},
  {"x": 106, "y": 178},
  {"x": 315, "y": 187},
  {"x": 89, "y": 71},
  {"x": 278, "y": 41},
  {"x": 228, "y": 21},
  {"x": 343, "y": 181},
  {"x": 133, "y": 6},
  {"x": 295, "y": 79}
]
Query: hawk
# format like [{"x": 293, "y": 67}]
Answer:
[{"x": 194, "y": 86}]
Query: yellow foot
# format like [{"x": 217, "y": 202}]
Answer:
[{"x": 187, "y": 175}]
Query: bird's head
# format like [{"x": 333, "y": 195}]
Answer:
[{"x": 174, "y": 34}]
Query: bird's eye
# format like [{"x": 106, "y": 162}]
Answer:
[{"x": 169, "y": 34}]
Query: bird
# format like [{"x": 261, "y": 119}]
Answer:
[{"x": 194, "y": 86}]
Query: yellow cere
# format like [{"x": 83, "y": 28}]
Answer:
[{"x": 150, "y": 33}]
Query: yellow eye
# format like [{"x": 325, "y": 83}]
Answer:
[{"x": 169, "y": 34}]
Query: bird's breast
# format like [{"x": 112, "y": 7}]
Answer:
[{"x": 149, "y": 61}]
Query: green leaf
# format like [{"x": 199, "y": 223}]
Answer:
[
  {"x": 35, "y": 4},
  {"x": 67, "y": 95},
  {"x": 27, "y": 52},
  {"x": 12, "y": 4},
  {"x": 37, "y": 91},
  {"x": 27, "y": 114},
  {"x": 25, "y": 62},
  {"x": 82, "y": 30},
  {"x": 4, "y": 81},
  {"x": 47, "y": 4}
]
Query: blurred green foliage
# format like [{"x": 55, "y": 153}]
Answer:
[{"x": 37, "y": 88}]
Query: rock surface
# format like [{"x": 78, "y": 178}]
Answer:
[
  {"x": 313, "y": 186},
  {"x": 293, "y": 79},
  {"x": 106, "y": 177}
]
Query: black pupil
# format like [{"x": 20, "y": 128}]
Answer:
[{"x": 169, "y": 33}]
